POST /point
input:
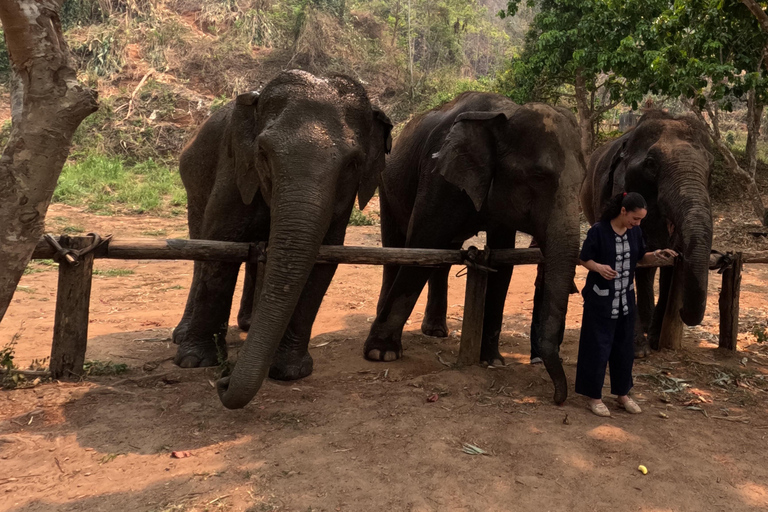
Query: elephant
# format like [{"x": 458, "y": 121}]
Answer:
[
  {"x": 283, "y": 166},
  {"x": 480, "y": 163},
  {"x": 667, "y": 160}
]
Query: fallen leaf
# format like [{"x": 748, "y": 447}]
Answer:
[
  {"x": 181, "y": 454},
  {"x": 473, "y": 450},
  {"x": 566, "y": 421},
  {"x": 433, "y": 398}
]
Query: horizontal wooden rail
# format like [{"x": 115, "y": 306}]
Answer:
[
  {"x": 71, "y": 324},
  {"x": 211, "y": 250}
]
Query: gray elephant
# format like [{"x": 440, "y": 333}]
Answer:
[
  {"x": 480, "y": 163},
  {"x": 667, "y": 160},
  {"x": 284, "y": 166}
]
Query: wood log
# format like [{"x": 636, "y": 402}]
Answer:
[
  {"x": 213, "y": 250},
  {"x": 671, "y": 335},
  {"x": 474, "y": 313},
  {"x": 729, "y": 304},
  {"x": 70, "y": 328}
]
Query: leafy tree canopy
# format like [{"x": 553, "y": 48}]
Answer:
[{"x": 700, "y": 49}]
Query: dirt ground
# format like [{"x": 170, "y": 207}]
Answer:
[{"x": 361, "y": 436}]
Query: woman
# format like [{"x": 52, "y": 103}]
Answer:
[{"x": 613, "y": 248}]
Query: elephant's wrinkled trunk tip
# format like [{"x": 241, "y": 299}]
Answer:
[{"x": 222, "y": 385}]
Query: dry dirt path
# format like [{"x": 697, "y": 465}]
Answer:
[{"x": 362, "y": 436}]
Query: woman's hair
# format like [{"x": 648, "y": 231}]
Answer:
[{"x": 631, "y": 201}]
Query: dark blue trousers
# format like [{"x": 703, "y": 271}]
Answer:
[{"x": 605, "y": 342}]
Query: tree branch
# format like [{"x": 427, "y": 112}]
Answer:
[{"x": 758, "y": 12}]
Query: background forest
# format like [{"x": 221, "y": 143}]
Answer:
[{"x": 162, "y": 66}]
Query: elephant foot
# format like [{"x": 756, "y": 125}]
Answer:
[
  {"x": 198, "y": 355},
  {"x": 653, "y": 341},
  {"x": 180, "y": 332},
  {"x": 291, "y": 366},
  {"x": 492, "y": 357},
  {"x": 435, "y": 328},
  {"x": 642, "y": 348},
  {"x": 376, "y": 349}
]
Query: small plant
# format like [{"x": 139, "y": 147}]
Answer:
[
  {"x": 358, "y": 218},
  {"x": 7, "y": 354},
  {"x": 761, "y": 333},
  {"x": 100, "y": 368},
  {"x": 730, "y": 138},
  {"x": 113, "y": 272}
]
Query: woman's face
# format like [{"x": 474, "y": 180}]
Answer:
[{"x": 630, "y": 219}]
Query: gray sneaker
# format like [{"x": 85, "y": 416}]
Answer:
[{"x": 536, "y": 360}]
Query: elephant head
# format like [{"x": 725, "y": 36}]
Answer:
[
  {"x": 668, "y": 161},
  {"x": 308, "y": 145},
  {"x": 524, "y": 165}
]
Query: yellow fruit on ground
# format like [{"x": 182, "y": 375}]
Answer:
[{"x": 642, "y": 469}]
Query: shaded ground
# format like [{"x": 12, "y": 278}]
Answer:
[{"x": 363, "y": 436}]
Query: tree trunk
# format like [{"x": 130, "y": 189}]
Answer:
[
  {"x": 743, "y": 177},
  {"x": 754, "y": 117},
  {"x": 48, "y": 105},
  {"x": 585, "y": 114}
]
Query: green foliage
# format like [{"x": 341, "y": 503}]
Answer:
[
  {"x": 761, "y": 333},
  {"x": 5, "y": 61},
  {"x": 80, "y": 12},
  {"x": 358, "y": 218},
  {"x": 108, "y": 184},
  {"x": 7, "y": 354},
  {"x": 99, "y": 368}
]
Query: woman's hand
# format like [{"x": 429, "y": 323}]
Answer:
[
  {"x": 664, "y": 254},
  {"x": 606, "y": 271}
]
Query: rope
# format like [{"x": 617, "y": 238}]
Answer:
[
  {"x": 72, "y": 256},
  {"x": 470, "y": 257}
]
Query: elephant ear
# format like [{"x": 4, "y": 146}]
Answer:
[
  {"x": 242, "y": 140},
  {"x": 381, "y": 144},
  {"x": 467, "y": 157}
]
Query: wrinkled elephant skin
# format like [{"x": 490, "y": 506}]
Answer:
[
  {"x": 668, "y": 161},
  {"x": 282, "y": 166},
  {"x": 480, "y": 163}
]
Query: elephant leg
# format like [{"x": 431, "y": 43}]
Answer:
[
  {"x": 384, "y": 340},
  {"x": 246, "y": 301},
  {"x": 226, "y": 218},
  {"x": 434, "y": 321},
  {"x": 644, "y": 278},
  {"x": 495, "y": 297},
  {"x": 665, "y": 285},
  {"x": 196, "y": 203},
  {"x": 391, "y": 236},
  {"x": 292, "y": 360}
]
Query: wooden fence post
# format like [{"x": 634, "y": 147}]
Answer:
[
  {"x": 729, "y": 304},
  {"x": 70, "y": 330},
  {"x": 671, "y": 335},
  {"x": 474, "y": 313}
]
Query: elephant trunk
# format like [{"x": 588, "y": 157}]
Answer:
[
  {"x": 691, "y": 219},
  {"x": 297, "y": 229},
  {"x": 560, "y": 250},
  {"x": 697, "y": 243}
]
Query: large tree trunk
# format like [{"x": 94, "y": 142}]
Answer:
[
  {"x": 584, "y": 113},
  {"x": 746, "y": 180},
  {"x": 48, "y": 105}
]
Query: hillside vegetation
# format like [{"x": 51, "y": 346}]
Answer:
[{"x": 162, "y": 66}]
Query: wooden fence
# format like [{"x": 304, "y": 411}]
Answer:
[{"x": 76, "y": 255}]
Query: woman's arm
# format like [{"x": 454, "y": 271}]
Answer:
[
  {"x": 658, "y": 255},
  {"x": 604, "y": 270}
]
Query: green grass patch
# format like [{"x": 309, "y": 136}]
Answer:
[
  {"x": 108, "y": 185},
  {"x": 25, "y": 289},
  {"x": 35, "y": 266},
  {"x": 358, "y": 218},
  {"x": 97, "y": 368},
  {"x": 73, "y": 230},
  {"x": 113, "y": 272}
]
